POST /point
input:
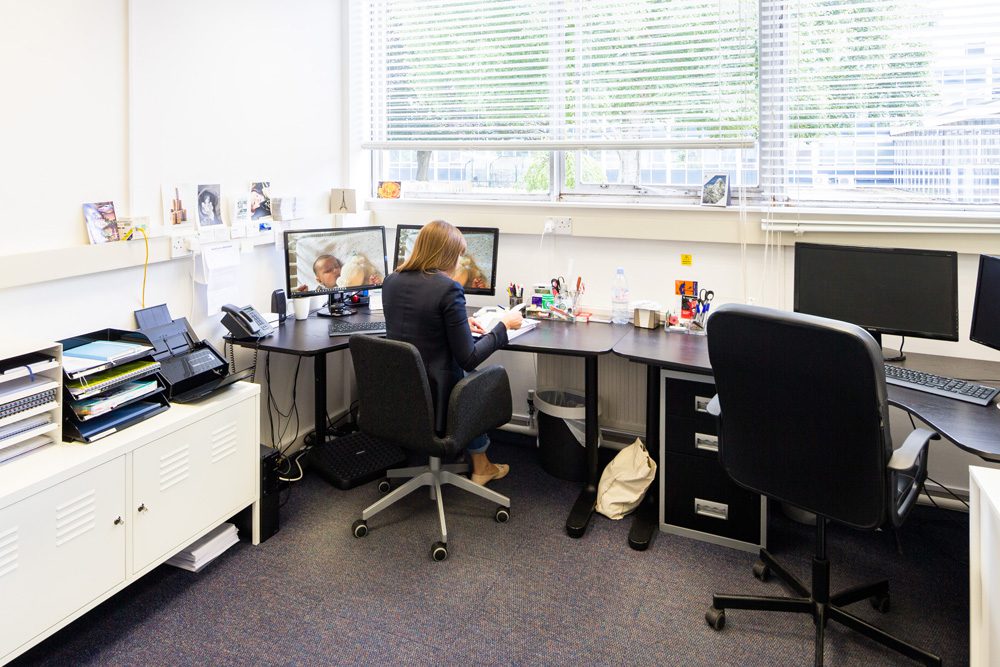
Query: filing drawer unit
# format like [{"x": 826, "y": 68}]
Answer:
[{"x": 697, "y": 497}]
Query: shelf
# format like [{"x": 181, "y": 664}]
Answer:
[
  {"x": 88, "y": 393},
  {"x": 27, "y": 435},
  {"x": 54, "y": 405},
  {"x": 21, "y": 372}
]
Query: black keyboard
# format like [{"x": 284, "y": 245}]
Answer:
[
  {"x": 342, "y": 328},
  {"x": 942, "y": 386}
]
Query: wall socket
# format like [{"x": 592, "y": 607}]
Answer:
[
  {"x": 558, "y": 225},
  {"x": 179, "y": 247}
]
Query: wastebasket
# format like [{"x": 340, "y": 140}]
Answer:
[{"x": 562, "y": 433}]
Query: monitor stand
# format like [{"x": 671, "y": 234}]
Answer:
[
  {"x": 336, "y": 306},
  {"x": 878, "y": 339}
]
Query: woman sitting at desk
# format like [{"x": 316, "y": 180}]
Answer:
[{"x": 424, "y": 306}]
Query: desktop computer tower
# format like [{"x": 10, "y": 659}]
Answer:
[{"x": 270, "y": 488}]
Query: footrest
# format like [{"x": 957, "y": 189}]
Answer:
[{"x": 354, "y": 459}]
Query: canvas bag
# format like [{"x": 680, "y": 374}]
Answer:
[{"x": 625, "y": 480}]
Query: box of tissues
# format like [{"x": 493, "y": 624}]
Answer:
[{"x": 646, "y": 318}]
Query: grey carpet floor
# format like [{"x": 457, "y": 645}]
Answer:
[{"x": 521, "y": 593}]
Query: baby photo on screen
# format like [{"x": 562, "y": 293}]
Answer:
[
  {"x": 325, "y": 261},
  {"x": 474, "y": 268}
]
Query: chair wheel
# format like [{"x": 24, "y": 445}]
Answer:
[
  {"x": 502, "y": 514},
  {"x": 716, "y": 618},
  {"x": 360, "y": 528},
  {"x": 880, "y": 603},
  {"x": 439, "y": 551},
  {"x": 384, "y": 486},
  {"x": 761, "y": 570}
]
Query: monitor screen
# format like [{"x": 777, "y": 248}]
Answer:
[
  {"x": 323, "y": 261},
  {"x": 478, "y": 267},
  {"x": 884, "y": 290},
  {"x": 986, "y": 311}
]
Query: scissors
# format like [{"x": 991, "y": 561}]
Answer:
[
  {"x": 705, "y": 297},
  {"x": 558, "y": 284}
]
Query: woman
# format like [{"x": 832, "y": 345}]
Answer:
[{"x": 425, "y": 306}]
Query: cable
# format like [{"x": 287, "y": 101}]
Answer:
[
  {"x": 145, "y": 264},
  {"x": 950, "y": 492}
]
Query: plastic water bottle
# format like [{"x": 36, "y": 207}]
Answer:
[{"x": 619, "y": 298}]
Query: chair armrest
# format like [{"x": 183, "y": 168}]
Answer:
[
  {"x": 714, "y": 408},
  {"x": 907, "y": 471},
  {"x": 480, "y": 401}
]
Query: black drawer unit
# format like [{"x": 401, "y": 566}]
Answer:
[{"x": 697, "y": 497}]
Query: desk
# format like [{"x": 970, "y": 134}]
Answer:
[
  {"x": 588, "y": 341},
  {"x": 309, "y": 338},
  {"x": 974, "y": 428}
]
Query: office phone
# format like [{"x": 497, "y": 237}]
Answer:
[{"x": 245, "y": 322}]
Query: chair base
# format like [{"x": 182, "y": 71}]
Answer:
[
  {"x": 819, "y": 604},
  {"x": 435, "y": 476}
]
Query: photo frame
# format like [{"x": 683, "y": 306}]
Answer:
[{"x": 715, "y": 191}]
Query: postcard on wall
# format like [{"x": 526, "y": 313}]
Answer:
[
  {"x": 389, "y": 190},
  {"x": 260, "y": 204},
  {"x": 179, "y": 207},
  {"x": 102, "y": 224},
  {"x": 715, "y": 192},
  {"x": 343, "y": 200},
  {"x": 209, "y": 205},
  {"x": 240, "y": 215}
]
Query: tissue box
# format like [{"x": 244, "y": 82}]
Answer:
[{"x": 645, "y": 318}]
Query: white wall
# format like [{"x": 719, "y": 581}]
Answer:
[{"x": 228, "y": 92}]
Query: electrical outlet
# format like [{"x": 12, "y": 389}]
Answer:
[
  {"x": 179, "y": 247},
  {"x": 563, "y": 225}
]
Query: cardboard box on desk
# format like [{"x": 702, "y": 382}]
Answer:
[{"x": 645, "y": 318}]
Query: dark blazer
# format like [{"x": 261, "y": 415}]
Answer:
[{"x": 428, "y": 310}]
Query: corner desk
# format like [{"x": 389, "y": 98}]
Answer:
[{"x": 974, "y": 428}]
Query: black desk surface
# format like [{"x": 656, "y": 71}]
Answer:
[
  {"x": 308, "y": 337},
  {"x": 974, "y": 428},
  {"x": 578, "y": 340}
]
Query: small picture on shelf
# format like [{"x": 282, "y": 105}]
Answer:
[
  {"x": 260, "y": 204},
  {"x": 715, "y": 192},
  {"x": 209, "y": 205},
  {"x": 389, "y": 190},
  {"x": 102, "y": 224},
  {"x": 179, "y": 205}
]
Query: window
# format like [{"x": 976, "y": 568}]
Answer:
[{"x": 875, "y": 103}]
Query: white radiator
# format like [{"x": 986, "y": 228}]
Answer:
[{"x": 621, "y": 386}]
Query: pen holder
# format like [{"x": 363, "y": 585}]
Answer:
[
  {"x": 515, "y": 301},
  {"x": 571, "y": 301}
]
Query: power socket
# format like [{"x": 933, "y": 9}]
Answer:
[
  {"x": 558, "y": 225},
  {"x": 179, "y": 247}
]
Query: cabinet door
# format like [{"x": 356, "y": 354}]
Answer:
[
  {"x": 60, "y": 549},
  {"x": 191, "y": 480}
]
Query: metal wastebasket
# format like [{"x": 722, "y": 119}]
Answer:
[{"x": 562, "y": 433}]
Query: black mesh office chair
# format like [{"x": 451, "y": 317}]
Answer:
[
  {"x": 396, "y": 406},
  {"x": 803, "y": 419}
]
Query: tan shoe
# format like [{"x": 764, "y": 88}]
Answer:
[{"x": 500, "y": 471}]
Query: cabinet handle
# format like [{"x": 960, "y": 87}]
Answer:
[
  {"x": 119, "y": 521},
  {"x": 143, "y": 508},
  {"x": 705, "y": 442},
  {"x": 711, "y": 509},
  {"x": 701, "y": 403}
]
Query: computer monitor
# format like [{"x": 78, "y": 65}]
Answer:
[
  {"x": 334, "y": 262},
  {"x": 986, "y": 309},
  {"x": 884, "y": 290},
  {"x": 478, "y": 266}
]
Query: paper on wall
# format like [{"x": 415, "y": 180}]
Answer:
[{"x": 218, "y": 270}]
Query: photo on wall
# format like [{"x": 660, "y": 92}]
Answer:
[
  {"x": 715, "y": 192},
  {"x": 209, "y": 205},
  {"x": 101, "y": 221},
  {"x": 260, "y": 204},
  {"x": 179, "y": 206}
]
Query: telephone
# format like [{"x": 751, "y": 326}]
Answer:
[{"x": 245, "y": 322}]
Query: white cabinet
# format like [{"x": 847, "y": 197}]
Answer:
[
  {"x": 80, "y": 522},
  {"x": 184, "y": 482},
  {"x": 984, "y": 566},
  {"x": 60, "y": 549}
]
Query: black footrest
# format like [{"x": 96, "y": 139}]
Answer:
[{"x": 354, "y": 459}]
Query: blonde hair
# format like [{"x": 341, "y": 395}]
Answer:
[{"x": 437, "y": 248}]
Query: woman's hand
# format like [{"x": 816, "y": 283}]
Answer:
[
  {"x": 475, "y": 327},
  {"x": 512, "y": 319}
]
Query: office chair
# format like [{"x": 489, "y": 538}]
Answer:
[
  {"x": 396, "y": 406},
  {"x": 803, "y": 419}
]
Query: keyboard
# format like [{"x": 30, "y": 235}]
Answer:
[
  {"x": 342, "y": 328},
  {"x": 942, "y": 386}
]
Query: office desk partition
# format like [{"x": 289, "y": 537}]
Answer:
[{"x": 974, "y": 428}]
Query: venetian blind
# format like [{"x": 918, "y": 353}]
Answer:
[{"x": 553, "y": 74}]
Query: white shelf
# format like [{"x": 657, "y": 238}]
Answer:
[
  {"x": 27, "y": 435},
  {"x": 53, "y": 405},
  {"x": 21, "y": 372}
]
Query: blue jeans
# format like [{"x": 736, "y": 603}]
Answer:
[{"x": 478, "y": 445}]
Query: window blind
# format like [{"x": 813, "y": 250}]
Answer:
[
  {"x": 560, "y": 74},
  {"x": 880, "y": 103}
]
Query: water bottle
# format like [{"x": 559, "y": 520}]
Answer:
[{"x": 619, "y": 298}]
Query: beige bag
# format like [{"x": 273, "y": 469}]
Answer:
[{"x": 625, "y": 480}]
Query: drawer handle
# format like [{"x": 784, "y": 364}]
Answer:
[
  {"x": 143, "y": 508},
  {"x": 119, "y": 521},
  {"x": 711, "y": 509},
  {"x": 705, "y": 442},
  {"x": 701, "y": 403}
]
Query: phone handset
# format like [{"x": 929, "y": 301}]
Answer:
[{"x": 245, "y": 322}]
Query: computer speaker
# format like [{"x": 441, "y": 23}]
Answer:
[{"x": 278, "y": 304}]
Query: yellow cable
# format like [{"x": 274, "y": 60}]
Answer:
[{"x": 145, "y": 264}]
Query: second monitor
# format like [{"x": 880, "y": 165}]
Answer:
[{"x": 477, "y": 270}]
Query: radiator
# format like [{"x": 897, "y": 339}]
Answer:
[{"x": 621, "y": 386}]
